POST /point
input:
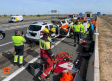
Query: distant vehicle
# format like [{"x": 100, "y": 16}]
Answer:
[
  {"x": 88, "y": 19},
  {"x": 88, "y": 14},
  {"x": 2, "y": 34},
  {"x": 72, "y": 16},
  {"x": 16, "y": 19},
  {"x": 81, "y": 19}
]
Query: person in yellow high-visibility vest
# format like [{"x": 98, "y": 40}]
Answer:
[
  {"x": 76, "y": 31},
  {"x": 82, "y": 30},
  {"x": 46, "y": 54},
  {"x": 88, "y": 25},
  {"x": 71, "y": 33},
  {"x": 18, "y": 41}
]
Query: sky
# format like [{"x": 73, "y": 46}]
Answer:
[{"x": 34, "y": 7}]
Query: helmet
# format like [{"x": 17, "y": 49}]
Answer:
[
  {"x": 53, "y": 30},
  {"x": 45, "y": 30},
  {"x": 69, "y": 21}
]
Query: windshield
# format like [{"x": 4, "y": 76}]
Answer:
[
  {"x": 82, "y": 18},
  {"x": 51, "y": 26},
  {"x": 34, "y": 27},
  {"x": 70, "y": 16},
  {"x": 78, "y": 18},
  {"x": 12, "y": 18}
]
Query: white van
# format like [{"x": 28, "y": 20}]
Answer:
[{"x": 16, "y": 18}]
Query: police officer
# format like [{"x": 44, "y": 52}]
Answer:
[
  {"x": 76, "y": 31},
  {"x": 18, "y": 41},
  {"x": 46, "y": 54}
]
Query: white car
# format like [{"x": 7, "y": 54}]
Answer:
[{"x": 34, "y": 31}]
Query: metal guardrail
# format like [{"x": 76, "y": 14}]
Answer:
[{"x": 93, "y": 73}]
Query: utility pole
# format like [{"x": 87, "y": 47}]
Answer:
[
  {"x": 58, "y": 14},
  {"x": 48, "y": 13},
  {"x": 23, "y": 10}
]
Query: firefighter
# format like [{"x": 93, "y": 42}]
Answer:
[
  {"x": 18, "y": 41},
  {"x": 46, "y": 54},
  {"x": 76, "y": 31},
  {"x": 50, "y": 37}
]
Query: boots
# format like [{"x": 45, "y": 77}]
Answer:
[
  {"x": 40, "y": 78},
  {"x": 48, "y": 76}
]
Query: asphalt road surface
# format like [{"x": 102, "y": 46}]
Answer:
[
  {"x": 66, "y": 45},
  {"x": 23, "y": 74},
  {"x": 6, "y": 43}
]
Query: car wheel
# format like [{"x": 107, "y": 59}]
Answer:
[{"x": 1, "y": 36}]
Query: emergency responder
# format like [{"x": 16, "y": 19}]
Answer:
[
  {"x": 91, "y": 31},
  {"x": 82, "y": 30},
  {"x": 94, "y": 23},
  {"x": 88, "y": 25},
  {"x": 64, "y": 29},
  {"x": 18, "y": 41},
  {"x": 52, "y": 32},
  {"x": 85, "y": 26},
  {"x": 71, "y": 32},
  {"x": 51, "y": 36},
  {"x": 88, "y": 29},
  {"x": 76, "y": 31},
  {"x": 46, "y": 54}
]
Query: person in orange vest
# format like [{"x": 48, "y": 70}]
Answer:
[
  {"x": 94, "y": 24},
  {"x": 93, "y": 21}
]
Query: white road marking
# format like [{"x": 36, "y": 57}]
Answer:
[
  {"x": 6, "y": 43},
  {"x": 26, "y": 65}
]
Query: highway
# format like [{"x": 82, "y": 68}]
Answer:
[
  {"x": 66, "y": 45},
  {"x": 6, "y": 44},
  {"x": 19, "y": 23},
  {"x": 63, "y": 44}
]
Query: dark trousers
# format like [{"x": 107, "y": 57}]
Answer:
[
  {"x": 76, "y": 37},
  {"x": 63, "y": 32},
  {"x": 19, "y": 50},
  {"x": 91, "y": 34},
  {"x": 94, "y": 28}
]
